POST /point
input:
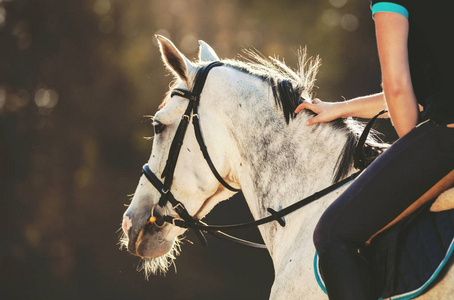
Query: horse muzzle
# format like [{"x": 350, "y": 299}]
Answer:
[{"x": 146, "y": 239}]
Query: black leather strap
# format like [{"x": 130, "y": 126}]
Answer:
[
  {"x": 196, "y": 91},
  {"x": 194, "y": 97},
  {"x": 175, "y": 147},
  {"x": 174, "y": 152},
  {"x": 177, "y": 205},
  {"x": 186, "y": 218},
  {"x": 187, "y": 221},
  {"x": 278, "y": 215},
  {"x": 201, "y": 77},
  {"x": 359, "y": 155},
  {"x": 275, "y": 215},
  {"x": 183, "y": 93},
  {"x": 203, "y": 148}
]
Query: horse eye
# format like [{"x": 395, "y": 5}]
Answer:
[{"x": 158, "y": 127}]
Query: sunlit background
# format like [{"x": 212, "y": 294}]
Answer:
[{"x": 77, "y": 76}]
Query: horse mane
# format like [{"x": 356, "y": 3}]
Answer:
[{"x": 290, "y": 88}]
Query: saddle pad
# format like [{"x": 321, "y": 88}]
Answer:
[{"x": 408, "y": 257}]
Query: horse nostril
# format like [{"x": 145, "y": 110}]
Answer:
[
  {"x": 126, "y": 225},
  {"x": 156, "y": 218}
]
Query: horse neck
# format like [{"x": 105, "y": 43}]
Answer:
[{"x": 278, "y": 163}]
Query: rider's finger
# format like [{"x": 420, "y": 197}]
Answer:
[
  {"x": 313, "y": 120},
  {"x": 304, "y": 105}
]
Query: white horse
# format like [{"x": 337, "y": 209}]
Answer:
[{"x": 258, "y": 145}]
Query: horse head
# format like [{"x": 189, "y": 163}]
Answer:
[{"x": 192, "y": 183}]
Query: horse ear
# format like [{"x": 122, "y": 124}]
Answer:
[
  {"x": 206, "y": 53},
  {"x": 173, "y": 58}
]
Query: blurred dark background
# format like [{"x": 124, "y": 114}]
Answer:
[{"x": 76, "y": 77}]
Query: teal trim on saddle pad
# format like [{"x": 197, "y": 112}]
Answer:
[
  {"x": 318, "y": 276},
  {"x": 405, "y": 296},
  {"x": 417, "y": 292}
]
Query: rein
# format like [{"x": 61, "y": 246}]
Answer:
[{"x": 185, "y": 220}]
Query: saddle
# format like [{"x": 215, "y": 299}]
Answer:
[{"x": 409, "y": 254}]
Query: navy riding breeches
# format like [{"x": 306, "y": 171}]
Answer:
[{"x": 403, "y": 173}]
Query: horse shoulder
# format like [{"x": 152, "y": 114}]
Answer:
[{"x": 295, "y": 278}]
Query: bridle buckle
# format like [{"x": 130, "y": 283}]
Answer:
[
  {"x": 179, "y": 206},
  {"x": 173, "y": 221}
]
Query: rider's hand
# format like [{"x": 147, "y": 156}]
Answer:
[{"x": 326, "y": 111}]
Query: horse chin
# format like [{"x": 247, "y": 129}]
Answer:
[
  {"x": 150, "y": 246},
  {"x": 161, "y": 264},
  {"x": 157, "y": 252}
]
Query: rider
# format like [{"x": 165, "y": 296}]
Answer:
[{"x": 416, "y": 69}]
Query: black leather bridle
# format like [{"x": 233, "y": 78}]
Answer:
[
  {"x": 186, "y": 220},
  {"x": 169, "y": 169}
]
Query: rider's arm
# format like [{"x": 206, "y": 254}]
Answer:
[
  {"x": 362, "y": 107},
  {"x": 392, "y": 35}
]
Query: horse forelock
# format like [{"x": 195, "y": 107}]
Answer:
[{"x": 166, "y": 99}]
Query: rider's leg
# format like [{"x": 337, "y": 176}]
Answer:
[{"x": 382, "y": 192}]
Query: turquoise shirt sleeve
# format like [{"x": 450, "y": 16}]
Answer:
[{"x": 389, "y": 7}]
